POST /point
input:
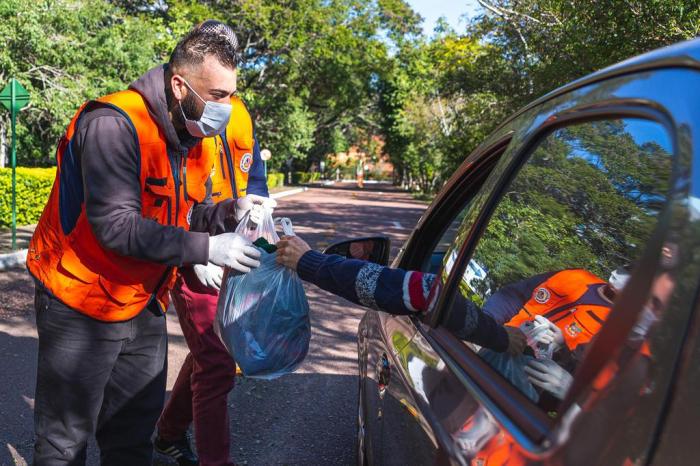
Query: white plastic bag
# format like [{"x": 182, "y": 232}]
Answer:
[{"x": 266, "y": 229}]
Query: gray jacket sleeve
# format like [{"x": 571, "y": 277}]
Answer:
[
  {"x": 106, "y": 146},
  {"x": 213, "y": 218}
]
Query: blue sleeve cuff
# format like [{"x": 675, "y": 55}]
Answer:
[{"x": 308, "y": 265}]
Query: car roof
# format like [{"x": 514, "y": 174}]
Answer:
[{"x": 683, "y": 55}]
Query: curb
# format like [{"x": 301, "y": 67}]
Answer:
[
  {"x": 13, "y": 260},
  {"x": 291, "y": 192},
  {"x": 365, "y": 181}
]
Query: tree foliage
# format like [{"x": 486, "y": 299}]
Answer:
[
  {"x": 309, "y": 75},
  {"x": 510, "y": 54},
  {"x": 65, "y": 52},
  {"x": 323, "y": 75}
]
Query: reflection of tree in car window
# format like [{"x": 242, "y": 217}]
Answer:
[{"x": 587, "y": 198}]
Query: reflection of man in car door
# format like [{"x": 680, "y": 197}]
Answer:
[
  {"x": 634, "y": 357},
  {"x": 556, "y": 309},
  {"x": 575, "y": 300}
]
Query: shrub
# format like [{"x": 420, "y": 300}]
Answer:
[
  {"x": 275, "y": 180},
  {"x": 348, "y": 173},
  {"x": 33, "y": 188},
  {"x": 378, "y": 175},
  {"x": 305, "y": 177},
  {"x": 271, "y": 180}
]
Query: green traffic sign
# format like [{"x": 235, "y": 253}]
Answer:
[
  {"x": 14, "y": 97},
  {"x": 21, "y": 96}
]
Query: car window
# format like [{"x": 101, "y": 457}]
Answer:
[
  {"x": 561, "y": 244},
  {"x": 436, "y": 258}
]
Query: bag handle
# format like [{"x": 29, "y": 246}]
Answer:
[{"x": 286, "y": 225}]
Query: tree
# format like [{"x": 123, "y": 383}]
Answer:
[
  {"x": 552, "y": 42},
  {"x": 64, "y": 53}
]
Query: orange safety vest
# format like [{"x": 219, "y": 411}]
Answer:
[
  {"x": 559, "y": 299},
  {"x": 74, "y": 266},
  {"x": 499, "y": 451},
  {"x": 233, "y": 154}
]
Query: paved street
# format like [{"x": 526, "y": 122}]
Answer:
[{"x": 304, "y": 418}]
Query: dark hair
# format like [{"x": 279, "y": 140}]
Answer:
[{"x": 208, "y": 38}]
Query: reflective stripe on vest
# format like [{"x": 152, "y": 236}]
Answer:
[{"x": 66, "y": 257}]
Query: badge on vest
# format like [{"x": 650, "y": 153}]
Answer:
[
  {"x": 542, "y": 295},
  {"x": 246, "y": 162},
  {"x": 573, "y": 329},
  {"x": 189, "y": 215}
]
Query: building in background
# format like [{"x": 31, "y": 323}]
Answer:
[{"x": 376, "y": 165}]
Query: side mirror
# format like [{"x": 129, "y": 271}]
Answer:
[{"x": 374, "y": 249}]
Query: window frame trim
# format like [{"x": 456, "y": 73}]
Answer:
[{"x": 456, "y": 190}]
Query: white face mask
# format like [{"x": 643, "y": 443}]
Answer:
[{"x": 213, "y": 120}]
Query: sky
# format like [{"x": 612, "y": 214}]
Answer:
[{"x": 452, "y": 10}]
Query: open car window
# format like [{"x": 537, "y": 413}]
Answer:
[
  {"x": 454, "y": 208},
  {"x": 561, "y": 244}
]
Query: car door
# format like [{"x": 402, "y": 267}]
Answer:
[
  {"x": 607, "y": 128},
  {"x": 677, "y": 440},
  {"x": 388, "y": 361}
]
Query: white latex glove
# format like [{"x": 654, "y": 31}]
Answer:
[
  {"x": 234, "y": 251},
  {"x": 545, "y": 332},
  {"x": 550, "y": 376},
  {"x": 209, "y": 275},
  {"x": 256, "y": 205}
]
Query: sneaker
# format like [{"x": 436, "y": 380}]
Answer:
[{"x": 179, "y": 450}]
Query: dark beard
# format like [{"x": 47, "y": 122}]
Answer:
[{"x": 189, "y": 107}]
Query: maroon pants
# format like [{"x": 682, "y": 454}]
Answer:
[{"x": 206, "y": 377}]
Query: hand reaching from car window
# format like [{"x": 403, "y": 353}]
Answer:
[{"x": 289, "y": 251}]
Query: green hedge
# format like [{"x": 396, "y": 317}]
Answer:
[
  {"x": 33, "y": 188},
  {"x": 305, "y": 177},
  {"x": 275, "y": 180}
]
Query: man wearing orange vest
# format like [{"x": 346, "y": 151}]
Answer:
[
  {"x": 560, "y": 312},
  {"x": 131, "y": 202},
  {"x": 557, "y": 310},
  {"x": 200, "y": 393}
]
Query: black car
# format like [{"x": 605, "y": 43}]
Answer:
[{"x": 596, "y": 176}]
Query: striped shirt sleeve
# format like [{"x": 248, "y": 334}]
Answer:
[{"x": 398, "y": 292}]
